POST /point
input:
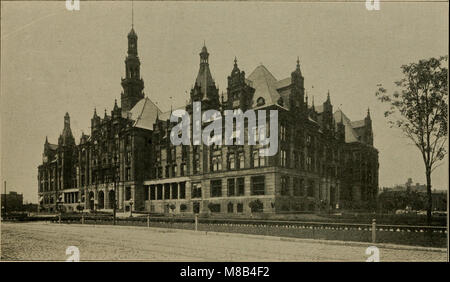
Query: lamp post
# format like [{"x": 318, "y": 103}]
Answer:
[
  {"x": 131, "y": 207},
  {"x": 115, "y": 200},
  {"x": 59, "y": 205},
  {"x": 95, "y": 206}
]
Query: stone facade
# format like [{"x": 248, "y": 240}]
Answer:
[{"x": 324, "y": 161}]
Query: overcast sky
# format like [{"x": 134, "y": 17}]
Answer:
[{"x": 55, "y": 61}]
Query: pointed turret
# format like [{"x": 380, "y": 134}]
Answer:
[
  {"x": 239, "y": 93},
  {"x": 205, "y": 87},
  {"x": 297, "y": 100},
  {"x": 66, "y": 138}
]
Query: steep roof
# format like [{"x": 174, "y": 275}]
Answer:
[
  {"x": 144, "y": 114},
  {"x": 358, "y": 123},
  {"x": 265, "y": 85},
  {"x": 52, "y": 147},
  {"x": 350, "y": 133}
]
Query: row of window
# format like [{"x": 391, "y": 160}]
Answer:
[
  {"x": 299, "y": 188},
  {"x": 166, "y": 191}
]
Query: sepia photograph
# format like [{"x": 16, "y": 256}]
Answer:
[{"x": 241, "y": 132}]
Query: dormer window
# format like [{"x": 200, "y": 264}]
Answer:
[{"x": 260, "y": 101}]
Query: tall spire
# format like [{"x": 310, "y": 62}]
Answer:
[
  {"x": 132, "y": 83},
  {"x": 204, "y": 77}
]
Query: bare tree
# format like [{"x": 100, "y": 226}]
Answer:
[{"x": 419, "y": 108}]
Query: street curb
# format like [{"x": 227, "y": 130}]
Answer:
[{"x": 271, "y": 238}]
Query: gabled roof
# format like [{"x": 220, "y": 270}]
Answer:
[
  {"x": 283, "y": 83},
  {"x": 144, "y": 114},
  {"x": 265, "y": 85},
  {"x": 319, "y": 109},
  {"x": 350, "y": 133},
  {"x": 166, "y": 115},
  {"x": 52, "y": 147},
  {"x": 358, "y": 123}
]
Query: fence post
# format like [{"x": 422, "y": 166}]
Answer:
[
  {"x": 196, "y": 222},
  {"x": 148, "y": 220},
  {"x": 59, "y": 218},
  {"x": 82, "y": 219},
  {"x": 374, "y": 230}
]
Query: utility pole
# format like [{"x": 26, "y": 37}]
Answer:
[
  {"x": 114, "y": 203},
  {"x": 5, "y": 197}
]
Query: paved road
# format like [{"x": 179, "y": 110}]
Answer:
[{"x": 46, "y": 241}]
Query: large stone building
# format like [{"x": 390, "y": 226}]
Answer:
[{"x": 324, "y": 160}]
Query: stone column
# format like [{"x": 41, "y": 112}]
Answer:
[
  {"x": 106, "y": 199},
  {"x": 133, "y": 196},
  {"x": 187, "y": 189},
  {"x": 121, "y": 199}
]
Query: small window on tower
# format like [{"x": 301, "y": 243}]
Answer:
[{"x": 260, "y": 101}]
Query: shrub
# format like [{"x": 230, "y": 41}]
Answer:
[{"x": 256, "y": 206}]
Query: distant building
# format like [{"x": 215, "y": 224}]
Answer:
[
  {"x": 439, "y": 197},
  {"x": 439, "y": 200},
  {"x": 408, "y": 186},
  {"x": 13, "y": 201}
]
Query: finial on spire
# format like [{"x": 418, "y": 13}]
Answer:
[
  {"x": 46, "y": 139},
  {"x": 328, "y": 95},
  {"x": 132, "y": 14},
  {"x": 368, "y": 112},
  {"x": 235, "y": 60},
  {"x": 298, "y": 61}
]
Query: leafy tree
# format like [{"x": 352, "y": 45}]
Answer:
[
  {"x": 256, "y": 206},
  {"x": 419, "y": 108}
]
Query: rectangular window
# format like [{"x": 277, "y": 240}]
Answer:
[
  {"x": 166, "y": 191},
  {"x": 152, "y": 192},
  {"x": 230, "y": 207},
  {"x": 127, "y": 193},
  {"x": 167, "y": 171},
  {"x": 255, "y": 155},
  {"x": 310, "y": 191},
  {"x": 231, "y": 187},
  {"x": 216, "y": 163},
  {"x": 283, "y": 132},
  {"x": 159, "y": 190},
  {"x": 283, "y": 157},
  {"x": 183, "y": 190},
  {"x": 174, "y": 170},
  {"x": 196, "y": 190},
  {"x": 240, "y": 208},
  {"x": 146, "y": 192},
  {"x": 241, "y": 163},
  {"x": 231, "y": 161},
  {"x": 182, "y": 169},
  {"x": 174, "y": 187},
  {"x": 240, "y": 186},
  {"x": 128, "y": 173},
  {"x": 258, "y": 185},
  {"x": 284, "y": 185},
  {"x": 216, "y": 188},
  {"x": 298, "y": 183}
]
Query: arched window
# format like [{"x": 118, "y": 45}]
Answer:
[{"x": 260, "y": 101}]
